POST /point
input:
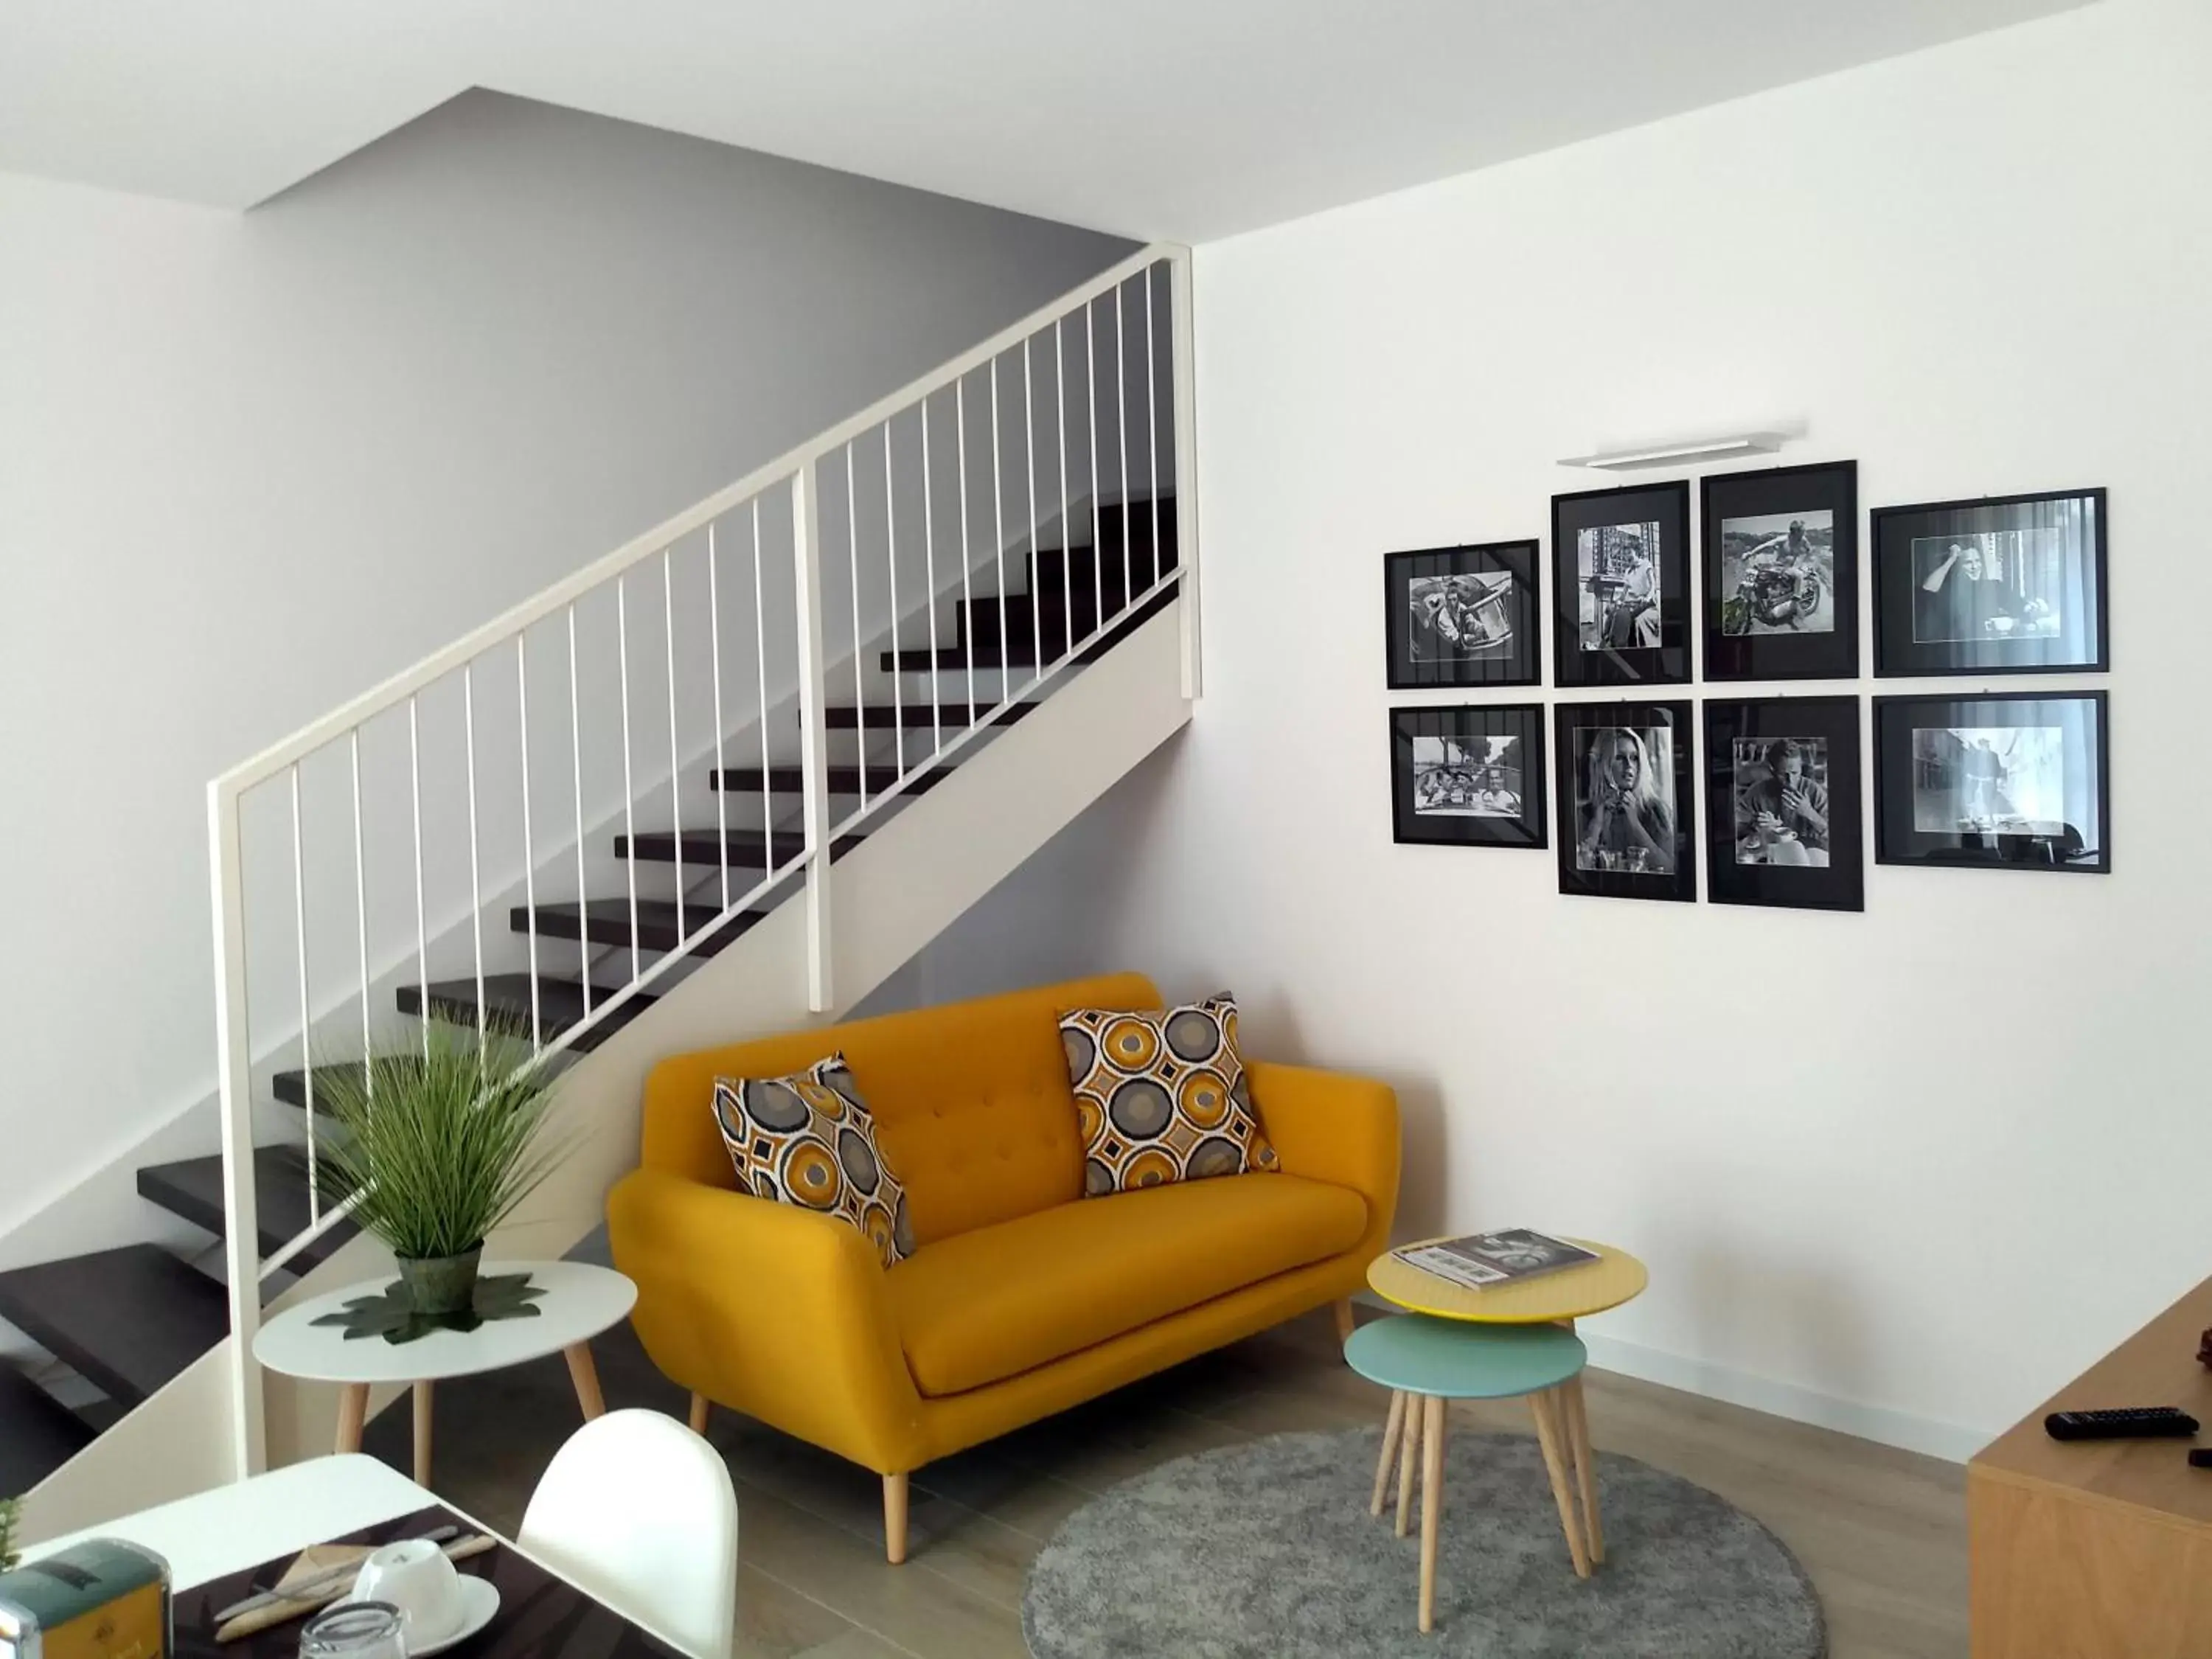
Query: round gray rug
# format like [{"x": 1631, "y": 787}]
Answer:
[{"x": 1265, "y": 1550}]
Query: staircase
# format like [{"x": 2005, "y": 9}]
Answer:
[{"x": 971, "y": 596}]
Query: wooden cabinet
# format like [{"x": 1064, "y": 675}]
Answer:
[{"x": 2099, "y": 1549}]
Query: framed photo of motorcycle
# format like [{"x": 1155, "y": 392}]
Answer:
[
  {"x": 1783, "y": 820},
  {"x": 1627, "y": 800},
  {"x": 2005, "y": 585},
  {"x": 1463, "y": 617},
  {"x": 1620, "y": 586},
  {"x": 1781, "y": 573}
]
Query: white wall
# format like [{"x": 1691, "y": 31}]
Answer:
[
  {"x": 250, "y": 466},
  {"x": 1854, "y": 1149}
]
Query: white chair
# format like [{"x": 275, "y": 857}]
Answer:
[{"x": 640, "y": 1511}]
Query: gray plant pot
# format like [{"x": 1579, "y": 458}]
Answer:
[{"x": 442, "y": 1284}]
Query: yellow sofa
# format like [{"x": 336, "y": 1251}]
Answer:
[{"x": 1022, "y": 1297}]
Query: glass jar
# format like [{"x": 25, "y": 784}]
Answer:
[{"x": 355, "y": 1630}]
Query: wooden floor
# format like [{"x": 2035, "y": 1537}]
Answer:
[{"x": 1882, "y": 1532}]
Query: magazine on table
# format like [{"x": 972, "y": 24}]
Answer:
[{"x": 1480, "y": 1260}]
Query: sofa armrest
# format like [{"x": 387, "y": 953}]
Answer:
[
  {"x": 770, "y": 1310},
  {"x": 1331, "y": 1127}
]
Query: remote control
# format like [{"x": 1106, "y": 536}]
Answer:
[
  {"x": 2123, "y": 1422},
  {"x": 2200, "y": 1457}
]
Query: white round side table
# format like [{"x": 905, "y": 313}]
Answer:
[{"x": 581, "y": 1301}]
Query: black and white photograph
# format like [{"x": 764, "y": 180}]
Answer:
[
  {"x": 1782, "y": 802},
  {"x": 1621, "y": 585},
  {"x": 2010, "y": 585},
  {"x": 1626, "y": 800},
  {"x": 1781, "y": 562},
  {"x": 1463, "y": 617},
  {"x": 2020, "y": 779},
  {"x": 1468, "y": 776}
]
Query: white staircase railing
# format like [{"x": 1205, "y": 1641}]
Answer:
[{"x": 350, "y": 857}]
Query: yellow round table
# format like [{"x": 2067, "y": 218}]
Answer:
[{"x": 1559, "y": 1297}]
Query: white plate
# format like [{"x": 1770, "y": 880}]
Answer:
[{"x": 479, "y": 1606}]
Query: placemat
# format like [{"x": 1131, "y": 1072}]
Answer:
[{"x": 540, "y": 1616}]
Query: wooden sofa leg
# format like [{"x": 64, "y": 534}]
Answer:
[
  {"x": 895, "y": 1518},
  {"x": 1345, "y": 1324},
  {"x": 700, "y": 1407}
]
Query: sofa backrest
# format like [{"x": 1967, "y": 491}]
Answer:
[{"x": 971, "y": 1100}]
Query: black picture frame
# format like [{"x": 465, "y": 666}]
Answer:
[
  {"x": 1762, "y": 847},
  {"x": 1603, "y": 632},
  {"x": 1586, "y": 738},
  {"x": 1465, "y": 791},
  {"x": 1781, "y": 551},
  {"x": 1417, "y": 623},
  {"x": 2042, "y": 800},
  {"x": 2035, "y": 604}
]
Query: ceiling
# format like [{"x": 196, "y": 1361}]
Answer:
[{"x": 1182, "y": 119}]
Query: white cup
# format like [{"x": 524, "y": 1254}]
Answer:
[{"x": 416, "y": 1578}]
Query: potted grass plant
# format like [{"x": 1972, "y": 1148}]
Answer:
[
  {"x": 11, "y": 1512},
  {"x": 436, "y": 1145}
]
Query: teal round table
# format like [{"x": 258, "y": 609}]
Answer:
[{"x": 1424, "y": 1362}]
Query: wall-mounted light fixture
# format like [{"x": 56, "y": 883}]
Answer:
[{"x": 1706, "y": 449}]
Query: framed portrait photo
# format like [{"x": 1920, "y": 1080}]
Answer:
[
  {"x": 1781, "y": 573},
  {"x": 1467, "y": 777},
  {"x": 1627, "y": 795},
  {"x": 2006, "y": 585},
  {"x": 1620, "y": 586},
  {"x": 1782, "y": 803},
  {"x": 1464, "y": 616},
  {"x": 2005, "y": 780}
]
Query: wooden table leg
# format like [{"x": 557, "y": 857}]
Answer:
[
  {"x": 1432, "y": 1503},
  {"x": 1544, "y": 1405},
  {"x": 353, "y": 1414},
  {"x": 422, "y": 1434},
  {"x": 585, "y": 1375},
  {"x": 1578, "y": 1441},
  {"x": 1409, "y": 1448},
  {"x": 700, "y": 1407},
  {"x": 1345, "y": 1324},
  {"x": 1393, "y": 1426}
]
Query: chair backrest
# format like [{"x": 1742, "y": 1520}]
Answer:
[
  {"x": 971, "y": 1100},
  {"x": 640, "y": 1511}
]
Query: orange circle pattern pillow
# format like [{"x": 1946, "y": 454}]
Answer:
[
  {"x": 808, "y": 1140},
  {"x": 1160, "y": 1097}
]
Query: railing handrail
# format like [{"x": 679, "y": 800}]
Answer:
[{"x": 316, "y": 734}]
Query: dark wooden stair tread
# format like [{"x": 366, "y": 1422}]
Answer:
[
  {"x": 128, "y": 1320},
  {"x": 193, "y": 1188},
  {"x": 38, "y": 1433},
  {"x": 506, "y": 1000},
  {"x": 843, "y": 780},
  {"x": 745, "y": 849},
  {"x": 608, "y": 922},
  {"x": 916, "y": 713}
]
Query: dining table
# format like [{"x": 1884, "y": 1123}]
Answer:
[{"x": 230, "y": 1541}]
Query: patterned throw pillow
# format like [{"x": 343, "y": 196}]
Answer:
[
  {"x": 1160, "y": 1097},
  {"x": 808, "y": 1140}
]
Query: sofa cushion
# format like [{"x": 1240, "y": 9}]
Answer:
[
  {"x": 808, "y": 1140},
  {"x": 1160, "y": 1095},
  {"x": 990, "y": 1303}
]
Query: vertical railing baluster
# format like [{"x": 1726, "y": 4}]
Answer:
[
  {"x": 1121, "y": 420},
  {"x": 806, "y": 560},
  {"x": 1066, "y": 551},
  {"x": 234, "y": 1085},
  {"x": 422, "y": 924},
  {"x": 306, "y": 1012},
  {"x": 576, "y": 771},
  {"x": 929, "y": 577},
  {"x": 1029, "y": 453},
  {"x": 675, "y": 755},
  {"x": 529, "y": 847},
  {"x": 999, "y": 549},
  {"x": 967, "y": 595},
  {"x": 721, "y": 778},
  {"x": 1091, "y": 424},
  {"x": 476, "y": 889},
  {"x": 1153, "y": 430},
  {"x": 629, "y": 791},
  {"x": 853, "y": 558},
  {"x": 361, "y": 915},
  {"x": 890, "y": 563},
  {"x": 760, "y": 658},
  {"x": 1184, "y": 392}
]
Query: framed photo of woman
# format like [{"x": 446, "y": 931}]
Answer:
[
  {"x": 2006, "y": 584},
  {"x": 1627, "y": 800},
  {"x": 1783, "y": 824},
  {"x": 1620, "y": 586}
]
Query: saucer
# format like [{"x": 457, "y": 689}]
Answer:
[{"x": 479, "y": 1606}]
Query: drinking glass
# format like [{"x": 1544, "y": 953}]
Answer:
[{"x": 355, "y": 1630}]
